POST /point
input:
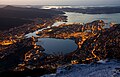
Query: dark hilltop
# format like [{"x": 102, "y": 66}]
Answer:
[
  {"x": 11, "y": 16},
  {"x": 94, "y": 10}
]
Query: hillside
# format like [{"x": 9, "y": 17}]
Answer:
[
  {"x": 93, "y": 10},
  {"x": 11, "y": 16},
  {"x": 106, "y": 69}
]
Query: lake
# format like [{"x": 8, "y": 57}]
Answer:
[{"x": 57, "y": 46}]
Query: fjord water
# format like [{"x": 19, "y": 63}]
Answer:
[
  {"x": 73, "y": 17},
  {"x": 52, "y": 45},
  {"x": 85, "y": 18}
]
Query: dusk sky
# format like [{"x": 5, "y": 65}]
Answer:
[{"x": 60, "y": 2}]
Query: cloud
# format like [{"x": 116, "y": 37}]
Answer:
[{"x": 60, "y": 2}]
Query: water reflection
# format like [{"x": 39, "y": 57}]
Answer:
[
  {"x": 52, "y": 45},
  {"x": 84, "y": 18}
]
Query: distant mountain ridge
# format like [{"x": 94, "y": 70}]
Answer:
[{"x": 93, "y": 10}]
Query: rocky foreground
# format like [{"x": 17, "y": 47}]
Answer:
[{"x": 99, "y": 69}]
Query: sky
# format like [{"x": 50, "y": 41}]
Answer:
[{"x": 60, "y": 2}]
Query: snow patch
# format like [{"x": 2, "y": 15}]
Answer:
[
  {"x": 102, "y": 61},
  {"x": 99, "y": 69}
]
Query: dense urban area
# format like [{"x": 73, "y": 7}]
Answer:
[{"x": 22, "y": 56}]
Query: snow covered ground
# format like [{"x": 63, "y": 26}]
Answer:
[{"x": 99, "y": 69}]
